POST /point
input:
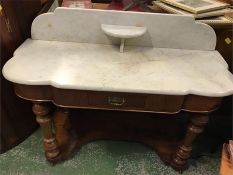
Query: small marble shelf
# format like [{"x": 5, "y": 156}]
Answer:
[
  {"x": 167, "y": 66},
  {"x": 123, "y": 32},
  {"x": 162, "y": 30},
  {"x": 173, "y": 55}
]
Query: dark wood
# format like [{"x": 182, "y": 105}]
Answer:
[
  {"x": 161, "y": 132},
  {"x": 65, "y": 133},
  {"x": 50, "y": 143},
  {"x": 224, "y": 47},
  {"x": 62, "y": 126},
  {"x": 21, "y": 14},
  {"x": 172, "y": 150},
  {"x": 46, "y": 6},
  {"x": 195, "y": 127},
  {"x": 169, "y": 104},
  {"x": 221, "y": 120},
  {"x": 89, "y": 125},
  {"x": 15, "y": 24}
]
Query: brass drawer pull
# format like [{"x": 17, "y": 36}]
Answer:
[{"x": 116, "y": 101}]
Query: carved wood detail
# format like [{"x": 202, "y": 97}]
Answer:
[
  {"x": 153, "y": 103},
  {"x": 196, "y": 126},
  {"x": 42, "y": 117},
  {"x": 62, "y": 126},
  {"x": 65, "y": 137}
]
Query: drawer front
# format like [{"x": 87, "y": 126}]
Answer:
[
  {"x": 136, "y": 102},
  {"x": 112, "y": 100},
  {"x": 116, "y": 100},
  {"x": 164, "y": 103}
]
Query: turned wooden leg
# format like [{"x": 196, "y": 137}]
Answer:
[
  {"x": 62, "y": 126},
  {"x": 50, "y": 144},
  {"x": 65, "y": 133},
  {"x": 196, "y": 126}
]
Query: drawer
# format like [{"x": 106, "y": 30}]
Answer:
[
  {"x": 117, "y": 100},
  {"x": 164, "y": 103},
  {"x": 113, "y": 100},
  {"x": 135, "y": 102}
]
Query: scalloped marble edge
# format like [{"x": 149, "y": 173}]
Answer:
[
  {"x": 222, "y": 68},
  {"x": 124, "y": 90},
  {"x": 163, "y": 30}
]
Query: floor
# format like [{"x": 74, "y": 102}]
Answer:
[{"x": 98, "y": 158}]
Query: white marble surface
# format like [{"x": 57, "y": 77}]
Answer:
[
  {"x": 123, "y": 31},
  {"x": 99, "y": 67},
  {"x": 84, "y": 26}
]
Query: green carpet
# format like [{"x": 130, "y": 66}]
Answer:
[{"x": 97, "y": 158}]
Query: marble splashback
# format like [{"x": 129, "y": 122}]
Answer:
[
  {"x": 84, "y": 26},
  {"x": 69, "y": 50}
]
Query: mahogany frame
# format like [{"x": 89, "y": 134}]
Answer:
[{"x": 60, "y": 140}]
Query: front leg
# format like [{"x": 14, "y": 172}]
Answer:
[
  {"x": 42, "y": 117},
  {"x": 62, "y": 127},
  {"x": 196, "y": 126}
]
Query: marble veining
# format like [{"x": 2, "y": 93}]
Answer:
[
  {"x": 84, "y": 26},
  {"x": 99, "y": 67},
  {"x": 69, "y": 50}
]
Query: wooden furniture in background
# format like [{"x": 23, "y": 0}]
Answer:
[
  {"x": 156, "y": 95},
  {"x": 66, "y": 136},
  {"x": 227, "y": 1},
  {"x": 224, "y": 43},
  {"x": 16, "y": 18},
  {"x": 226, "y": 164},
  {"x": 100, "y": 5}
]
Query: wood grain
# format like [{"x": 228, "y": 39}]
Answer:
[{"x": 70, "y": 134}]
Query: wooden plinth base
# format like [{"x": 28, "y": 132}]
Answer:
[
  {"x": 166, "y": 134},
  {"x": 162, "y": 133}
]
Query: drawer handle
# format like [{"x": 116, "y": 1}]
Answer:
[{"x": 116, "y": 101}]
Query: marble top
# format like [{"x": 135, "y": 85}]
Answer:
[
  {"x": 72, "y": 49},
  {"x": 99, "y": 67},
  {"x": 162, "y": 30}
]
